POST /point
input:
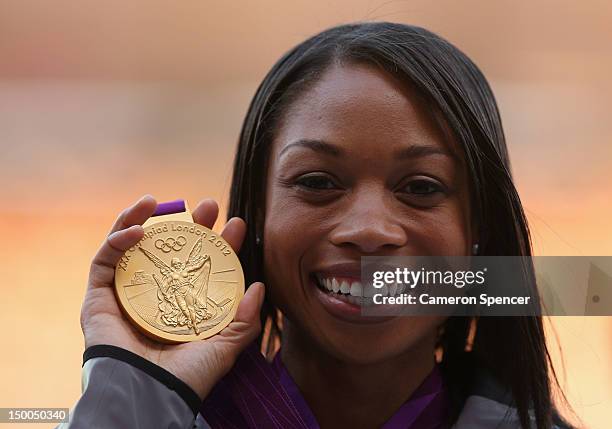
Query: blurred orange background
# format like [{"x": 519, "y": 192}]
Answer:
[{"x": 101, "y": 102}]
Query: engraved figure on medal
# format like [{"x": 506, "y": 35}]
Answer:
[{"x": 182, "y": 291}]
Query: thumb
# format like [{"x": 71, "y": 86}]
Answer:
[
  {"x": 250, "y": 305},
  {"x": 246, "y": 324}
]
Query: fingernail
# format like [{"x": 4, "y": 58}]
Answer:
[{"x": 144, "y": 197}]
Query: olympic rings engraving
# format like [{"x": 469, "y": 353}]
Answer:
[{"x": 170, "y": 243}]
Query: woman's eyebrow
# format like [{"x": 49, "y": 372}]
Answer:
[
  {"x": 418, "y": 151},
  {"x": 316, "y": 145},
  {"x": 413, "y": 151}
]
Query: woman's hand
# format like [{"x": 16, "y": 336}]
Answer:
[{"x": 200, "y": 364}]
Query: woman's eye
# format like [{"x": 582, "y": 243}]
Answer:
[
  {"x": 316, "y": 182},
  {"x": 422, "y": 193},
  {"x": 422, "y": 187}
]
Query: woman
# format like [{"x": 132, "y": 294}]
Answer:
[{"x": 366, "y": 139}]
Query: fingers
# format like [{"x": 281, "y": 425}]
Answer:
[
  {"x": 250, "y": 305},
  {"x": 206, "y": 213},
  {"x": 102, "y": 270},
  {"x": 138, "y": 213},
  {"x": 125, "y": 233},
  {"x": 245, "y": 327},
  {"x": 234, "y": 232}
]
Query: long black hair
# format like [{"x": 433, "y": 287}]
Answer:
[{"x": 513, "y": 349}]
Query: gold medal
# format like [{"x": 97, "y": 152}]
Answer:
[{"x": 182, "y": 282}]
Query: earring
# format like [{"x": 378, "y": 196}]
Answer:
[
  {"x": 475, "y": 249},
  {"x": 257, "y": 240}
]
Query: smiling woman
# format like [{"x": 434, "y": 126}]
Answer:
[
  {"x": 381, "y": 139},
  {"x": 366, "y": 139}
]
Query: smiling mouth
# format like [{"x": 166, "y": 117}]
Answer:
[{"x": 352, "y": 290}]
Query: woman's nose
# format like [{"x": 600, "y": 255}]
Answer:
[{"x": 369, "y": 225}]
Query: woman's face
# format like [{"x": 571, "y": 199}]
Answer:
[{"x": 357, "y": 168}]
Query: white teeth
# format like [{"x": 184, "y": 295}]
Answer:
[
  {"x": 355, "y": 292},
  {"x": 356, "y": 289},
  {"x": 392, "y": 289},
  {"x": 344, "y": 287}
]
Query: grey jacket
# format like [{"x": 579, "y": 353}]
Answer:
[{"x": 122, "y": 390}]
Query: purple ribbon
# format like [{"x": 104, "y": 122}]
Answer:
[
  {"x": 170, "y": 207},
  {"x": 256, "y": 394}
]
